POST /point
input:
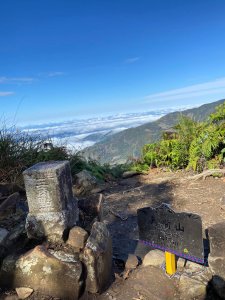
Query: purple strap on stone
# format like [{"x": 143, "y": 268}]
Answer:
[{"x": 180, "y": 254}]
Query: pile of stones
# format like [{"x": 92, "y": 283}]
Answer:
[{"x": 69, "y": 250}]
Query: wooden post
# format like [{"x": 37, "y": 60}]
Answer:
[{"x": 170, "y": 263}]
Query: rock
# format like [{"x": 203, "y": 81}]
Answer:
[
  {"x": 217, "y": 265},
  {"x": 222, "y": 200},
  {"x": 154, "y": 258},
  {"x": 77, "y": 237},
  {"x": 216, "y": 259},
  {"x": 97, "y": 258},
  {"x": 129, "y": 174},
  {"x": 148, "y": 283},
  {"x": 91, "y": 210},
  {"x": 43, "y": 272},
  {"x": 16, "y": 234},
  {"x": 84, "y": 183},
  {"x": 132, "y": 262},
  {"x": 8, "y": 188},
  {"x": 8, "y": 206},
  {"x": 11, "y": 297},
  {"x": 191, "y": 289},
  {"x": 3, "y": 239},
  {"x": 219, "y": 285},
  {"x": 181, "y": 263},
  {"x": 193, "y": 267},
  {"x": 24, "y": 292},
  {"x": 64, "y": 256},
  {"x": 217, "y": 239},
  {"x": 52, "y": 208},
  {"x": 3, "y": 234}
]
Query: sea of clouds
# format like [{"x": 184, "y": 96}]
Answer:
[{"x": 80, "y": 133}]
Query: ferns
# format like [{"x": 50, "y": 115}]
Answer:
[{"x": 195, "y": 145}]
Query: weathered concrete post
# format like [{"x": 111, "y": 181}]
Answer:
[{"x": 52, "y": 207}]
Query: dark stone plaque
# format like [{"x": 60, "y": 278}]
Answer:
[{"x": 178, "y": 233}]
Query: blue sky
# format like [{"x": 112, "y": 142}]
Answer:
[{"x": 63, "y": 59}]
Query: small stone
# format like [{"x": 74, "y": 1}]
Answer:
[
  {"x": 154, "y": 258},
  {"x": 191, "y": 289},
  {"x": 222, "y": 200},
  {"x": 132, "y": 262},
  {"x": 181, "y": 262},
  {"x": 77, "y": 237},
  {"x": 84, "y": 183},
  {"x": 193, "y": 267},
  {"x": 24, "y": 292}
]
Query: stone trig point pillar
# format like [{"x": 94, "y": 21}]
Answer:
[{"x": 52, "y": 207}]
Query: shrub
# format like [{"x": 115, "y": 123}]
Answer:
[
  {"x": 20, "y": 150},
  {"x": 195, "y": 145}
]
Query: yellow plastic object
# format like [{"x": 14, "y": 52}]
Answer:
[{"x": 170, "y": 263}]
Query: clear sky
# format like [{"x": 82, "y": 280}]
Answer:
[{"x": 64, "y": 59}]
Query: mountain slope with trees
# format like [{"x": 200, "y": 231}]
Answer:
[{"x": 126, "y": 144}]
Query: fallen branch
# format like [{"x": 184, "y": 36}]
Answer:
[{"x": 207, "y": 173}]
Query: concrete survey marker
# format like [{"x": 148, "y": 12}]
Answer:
[
  {"x": 177, "y": 233},
  {"x": 52, "y": 207}
]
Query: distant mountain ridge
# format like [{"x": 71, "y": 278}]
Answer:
[{"x": 118, "y": 147}]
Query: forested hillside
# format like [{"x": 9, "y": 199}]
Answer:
[{"x": 128, "y": 143}]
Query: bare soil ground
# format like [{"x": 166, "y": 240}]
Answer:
[{"x": 203, "y": 197}]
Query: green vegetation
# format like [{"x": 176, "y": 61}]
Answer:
[
  {"x": 190, "y": 144},
  {"x": 19, "y": 150},
  {"x": 118, "y": 147}
]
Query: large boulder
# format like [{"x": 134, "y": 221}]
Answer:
[
  {"x": 53, "y": 275},
  {"x": 97, "y": 257}
]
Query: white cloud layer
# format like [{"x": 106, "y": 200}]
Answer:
[
  {"x": 4, "y": 94},
  {"x": 55, "y": 74},
  {"x": 82, "y": 133},
  {"x": 6, "y": 80},
  {"x": 131, "y": 60},
  {"x": 210, "y": 88}
]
